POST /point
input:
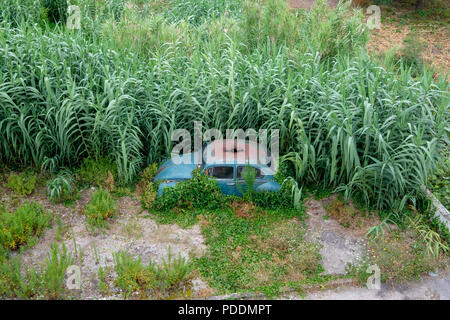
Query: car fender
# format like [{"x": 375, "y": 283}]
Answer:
[
  {"x": 165, "y": 184},
  {"x": 269, "y": 186}
]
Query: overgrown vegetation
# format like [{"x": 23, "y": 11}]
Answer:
[
  {"x": 23, "y": 226},
  {"x": 151, "y": 281},
  {"x": 200, "y": 192},
  {"x": 265, "y": 252},
  {"x": 123, "y": 100},
  {"x": 62, "y": 188},
  {"x": 104, "y": 101},
  {"x": 100, "y": 208},
  {"x": 100, "y": 172},
  {"x": 439, "y": 182},
  {"x": 22, "y": 184},
  {"x": 45, "y": 282}
]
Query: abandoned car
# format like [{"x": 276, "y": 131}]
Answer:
[{"x": 224, "y": 160}]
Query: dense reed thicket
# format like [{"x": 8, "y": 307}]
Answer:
[{"x": 122, "y": 84}]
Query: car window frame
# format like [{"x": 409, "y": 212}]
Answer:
[
  {"x": 221, "y": 165},
  {"x": 242, "y": 178}
]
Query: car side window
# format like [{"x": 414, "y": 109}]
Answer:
[
  {"x": 241, "y": 171},
  {"x": 225, "y": 172}
]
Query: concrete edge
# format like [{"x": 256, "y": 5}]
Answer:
[
  {"x": 441, "y": 212},
  {"x": 308, "y": 288}
]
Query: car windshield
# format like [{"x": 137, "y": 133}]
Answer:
[{"x": 222, "y": 172}]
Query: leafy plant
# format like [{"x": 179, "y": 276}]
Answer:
[
  {"x": 149, "y": 195},
  {"x": 132, "y": 275},
  {"x": 249, "y": 175},
  {"x": 100, "y": 208},
  {"x": 174, "y": 271},
  {"x": 150, "y": 280},
  {"x": 198, "y": 192},
  {"x": 433, "y": 242},
  {"x": 97, "y": 172},
  {"x": 26, "y": 223},
  {"x": 53, "y": 272},
  {"x": 149, "y": 173},
  {"x": 46, "y": 282},
  {"x": 22, "y": 184},
  {"x": 439, "y": 182},
  {"x": 61, "y": 188},
  {"x": 380, "y": 229}
]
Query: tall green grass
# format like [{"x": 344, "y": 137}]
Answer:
[{"x": 122, "y": 84}]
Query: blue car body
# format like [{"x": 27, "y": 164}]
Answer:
[{"x": 169, "y": 174}]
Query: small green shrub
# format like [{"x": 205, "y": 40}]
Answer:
[
  {"x": 410, "y": 54},
  {"x": 289, "y": 196},
  {"x": 132, "y": 275},
  {"x": 198, "y": 192},
  {"x": 26, "y": 223},
  {"x": 150, "y": 280},
  {"x": 149, "y": 173},
  {"x": 432, "y": 240},
  {"x": 149, "y": 195},
  {"x": 52, "y": 273},
  {"x": 61, "y": 188},
  {"x": 22, "y": 184},
  {"x": 56, "y": 10},
  {"x": 100, "y": 208},
  {"x": 249, "y": 175},
  {"x": 173, "y": 272},
  {"x": 10, "y": 278},
  {"x": 97, "y": 172},
  {"x": 45, "y": 282}
]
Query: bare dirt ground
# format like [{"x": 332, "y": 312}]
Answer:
[
  {"x": 428, "y": 288},
  {"x": 399, "y": 20},
  {"x": 340, "y": 245}
]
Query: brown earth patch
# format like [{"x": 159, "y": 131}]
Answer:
[{"x": 243, "y": 209}]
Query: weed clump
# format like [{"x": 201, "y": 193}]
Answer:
[
  {"x": 100, "y": 172},
  {"x": 401, "y": 256},
  {"x": 23, "y": 226},
  {"x": 150, "y": 280},
  {"x": 200, "y": 192},
  {"x": 146, "y": 188},
  {"x": 61, "y": 188},
  {"x": 22, "y": 184},
  {"x": 100, "y": 208},
  {"x": 45, "y": 282}
]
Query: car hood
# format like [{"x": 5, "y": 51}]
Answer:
[{"x": 172, "y": 171}]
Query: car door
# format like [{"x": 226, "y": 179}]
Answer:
[
  {"x": 241, "y": 184},
  {"x": 225, "y": 176}
]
